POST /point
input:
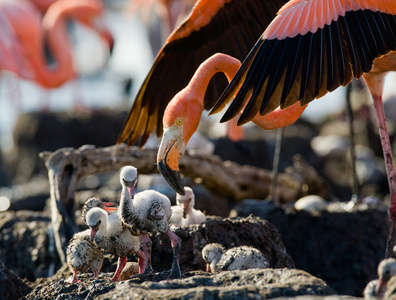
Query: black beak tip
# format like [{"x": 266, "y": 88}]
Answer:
[
  {"x": 111, "y": 48},
  {"x": 172, "y": 177}
]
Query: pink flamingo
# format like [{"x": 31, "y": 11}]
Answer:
[
  {"x": 26, "y": 30},
  {"x": 183, "y": 114},
  {"x": 310, "y": 48}
]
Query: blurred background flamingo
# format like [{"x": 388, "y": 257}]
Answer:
[{"x": 29, "y": 30}]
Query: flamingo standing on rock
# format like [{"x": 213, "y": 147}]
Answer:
[
  {"x": 310, "y": 48},
  {"x": 27, "y": 28},
  {"x": 147, "y": 211}
]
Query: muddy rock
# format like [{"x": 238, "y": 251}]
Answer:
[
  {"x": 11, "y": 286},
  {"x": 25, "y": 244},
  {"x": 230, "y": 233},
  {"x": 247, "y": 284},
  {"x": 342, "y": 247}
]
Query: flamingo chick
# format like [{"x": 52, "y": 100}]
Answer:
[
  {"x": 110, "y": 235},
  {"x": 237, "y": 258},
  {"x": 95, "y": 202},
  {"x": 184, "y": 212},
  {"x": 147, "y": 211},
  {"x": 377, "y": 288},
  {"x": 82, "y": 254},
  {"x": 183, "y": 114}
]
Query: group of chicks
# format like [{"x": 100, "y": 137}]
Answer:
[
  {"x": 111, "y": 231},
  {"x": 122, "y": 231}
]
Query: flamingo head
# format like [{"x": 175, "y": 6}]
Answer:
[
  {"x": 180, "y": 121},
  {"x": 386, "y": 269},
  {"x": 128, "y": 178},
  {"x": 95, "y": 217},
  {"x": 186, "y": 201}
]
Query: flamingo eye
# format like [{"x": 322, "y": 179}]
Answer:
[{"x": 179, "y": 121}]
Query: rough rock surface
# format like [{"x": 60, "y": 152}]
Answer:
[
  {"x": 11, "y": 286},
  {"x": 25, "y": 245},
  {"x": 341, "y": 247},
  {"x": 248, "y": 284}
]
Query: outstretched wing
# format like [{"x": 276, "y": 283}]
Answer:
[
  {"x": 227, "y": 26},
  {"x": 310, "y": 48}
]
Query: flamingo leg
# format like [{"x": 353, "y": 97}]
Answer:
[
  {"x": 120, "y": 266},
  {"x": 388, "y": 157},
  {"x": 146, "y": 244},
  {"x": 141, "y": 261},
  {"x": 73, "y": 279},
  {"x": 176, "y": 245}
]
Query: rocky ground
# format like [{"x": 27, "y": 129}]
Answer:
[{"x": 329, "y": 252}]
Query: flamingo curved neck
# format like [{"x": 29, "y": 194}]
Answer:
[
  {"x": 190, "y": 100},
  {"x": 219, "y": 62},
  {"x": 126, "y": 204},
  {"x": 54, "y": 32}
]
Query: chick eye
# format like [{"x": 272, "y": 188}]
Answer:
[{"x": 179, "y": 121}]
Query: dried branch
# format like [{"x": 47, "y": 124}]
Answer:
[{"x": 67, "y": 166}]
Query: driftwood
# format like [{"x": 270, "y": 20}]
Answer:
[{"x": 67, "y": 166}]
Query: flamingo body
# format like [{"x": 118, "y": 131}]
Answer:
[
  {"x": 82, "y": 254},
  {"x": 310, "y": 48},
  {"x": 184, "y": 212},
  {"x": 147, "y": 211},
  {"x": 237, "y": 258},
  {"x": 111, "y": 236}
]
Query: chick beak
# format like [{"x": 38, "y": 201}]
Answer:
[
  {"x": 185, "y": 208},
  {"x": 94, "y": 230},
  {"x": 208, "y": 267},
  {"x": 109, "y": 206},
  {"x": 381, "y": 286},
  {"x": 168, "y": 163}
]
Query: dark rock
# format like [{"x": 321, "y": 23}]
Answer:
[
  {"x": 343, "y": 248},
  {"x": 230, "y": 233},
  {"x": 25, "y": 245},
  {"x": 11, "y": 286},
  {"x": 248, "y": 284}
]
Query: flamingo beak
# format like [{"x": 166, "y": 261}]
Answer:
[
  {"x": 168, "y": 160},
  {"x": 185, "y": 208},
  {"x": 381, "y": 286},
  {"x": 109, "y": 206},
  {"x": 94, "y": 230},
  {"x": 130, "y": 185}
]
